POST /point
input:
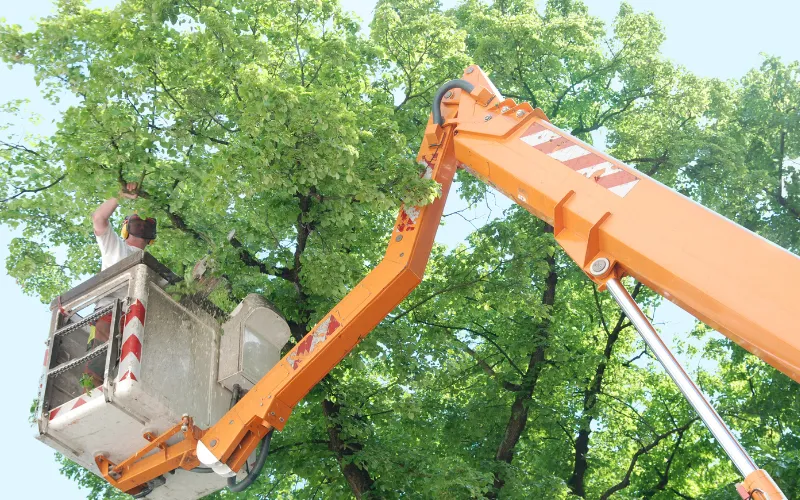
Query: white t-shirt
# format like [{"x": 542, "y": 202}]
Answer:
[{"x": 113, "y": 248}]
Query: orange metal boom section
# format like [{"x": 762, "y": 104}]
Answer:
[
  {"x": 269, "y": 403},
  {"x": 733, "y": 280}
]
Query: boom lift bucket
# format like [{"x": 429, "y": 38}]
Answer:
[{"x": 126, "y": 363}]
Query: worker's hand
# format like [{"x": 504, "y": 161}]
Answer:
[{"x": 131, "y": 191}]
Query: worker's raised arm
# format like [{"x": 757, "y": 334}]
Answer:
[
  {"x": 106, "y": 209},
  {"x": 102, "y": 214}
]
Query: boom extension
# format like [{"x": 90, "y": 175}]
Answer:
[{"x": 611, "y": 219}]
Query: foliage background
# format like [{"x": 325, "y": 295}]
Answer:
[{"x": 504, "y": 374}]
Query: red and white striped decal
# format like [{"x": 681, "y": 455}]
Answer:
[
  {"x": 570, "y": 152},
  {"x": 131, "y": 351},
  {"x": 410, "y": 215},
  {"x": 310, "y": 342},
  {"x": 408, "y": 219},
  {"x": 76, "y": 403}
]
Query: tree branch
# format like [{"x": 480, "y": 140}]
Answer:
[
  {"x": 24, "y": 149},
  {"x": 22, "y": 191},
  {"x": 626, "y": 480},
  {"x": 250, "y": 260},
  {"x": 475, "y": 332},
  {"x": 509, "y": 386}
]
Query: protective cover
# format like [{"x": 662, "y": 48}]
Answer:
[{"x": 252, "y": 342}]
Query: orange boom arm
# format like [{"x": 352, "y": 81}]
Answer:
[
  {"x": 611, "y": 219},
  {"x": 723, "y": 274}
]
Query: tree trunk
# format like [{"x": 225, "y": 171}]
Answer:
[
  {"x": 519, "y": 409},
  {"x": 577, "y": 480},
  {"x": 359, "y": 479}
]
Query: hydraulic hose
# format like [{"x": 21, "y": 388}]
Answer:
[
  {"x": 257, "y": 467},
  {"x": 202, "y": 470},
  {"x": 146, "y": 491},
  {"x": 437, "y": 99}
]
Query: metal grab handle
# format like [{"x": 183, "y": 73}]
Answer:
[{"x": 437, "y": 98}]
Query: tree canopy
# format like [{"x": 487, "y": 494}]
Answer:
[{"x": 506, "y": 374}]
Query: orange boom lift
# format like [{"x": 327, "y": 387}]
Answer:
[{"x": 611, "y": 219}]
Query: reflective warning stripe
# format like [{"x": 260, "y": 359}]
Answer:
[
  {"x": 131, "y": 349},
  {"x": 572, "y": 153},
  {"x": 72, "y": 404},
  {"x": 132, "y": 346},
  {"x": 310, "y": 341}
]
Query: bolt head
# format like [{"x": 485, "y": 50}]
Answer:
[
  {"x": 504, "y": 109},
  {"x": 449, "y": 94},
  {"x": 520, "y": 113},
  {"x": 599, "y": 266},
  {"x": 184, "y": 428},
  {"x": 213, "y": 443},
  {"x": 487, "y": 118},
  {"x": 399, "y": 237},
  {"x": 470, "y": 70}
]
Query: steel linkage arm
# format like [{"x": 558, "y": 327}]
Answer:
[
  {"x": 757, "y": 485},
  {"x": 132, "y": 475}
]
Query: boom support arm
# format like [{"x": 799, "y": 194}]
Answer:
[{"x": 611, "y": 219}]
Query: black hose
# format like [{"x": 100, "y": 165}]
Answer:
[
  {"x": 237, "y": 394},
  {"x": 202, "y": 470},
  {"x": 437, "y": 99},
  {"x": 146, "y": 491},
  {"x": 257, "y": 467}
]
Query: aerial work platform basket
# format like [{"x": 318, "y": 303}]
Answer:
[{"x": 125, "y": 363}]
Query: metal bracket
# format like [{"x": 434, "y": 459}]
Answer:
[{"x": 144, "y": 466}]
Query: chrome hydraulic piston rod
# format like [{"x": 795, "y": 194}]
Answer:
[
  {"x": 707, "y": 413},
  {"x": 757, "y": 484}
]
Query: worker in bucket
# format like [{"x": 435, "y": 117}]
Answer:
[{"x": 136, "y": 234}]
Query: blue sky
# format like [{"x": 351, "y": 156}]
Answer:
[{"x": 713, "y": 38}]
